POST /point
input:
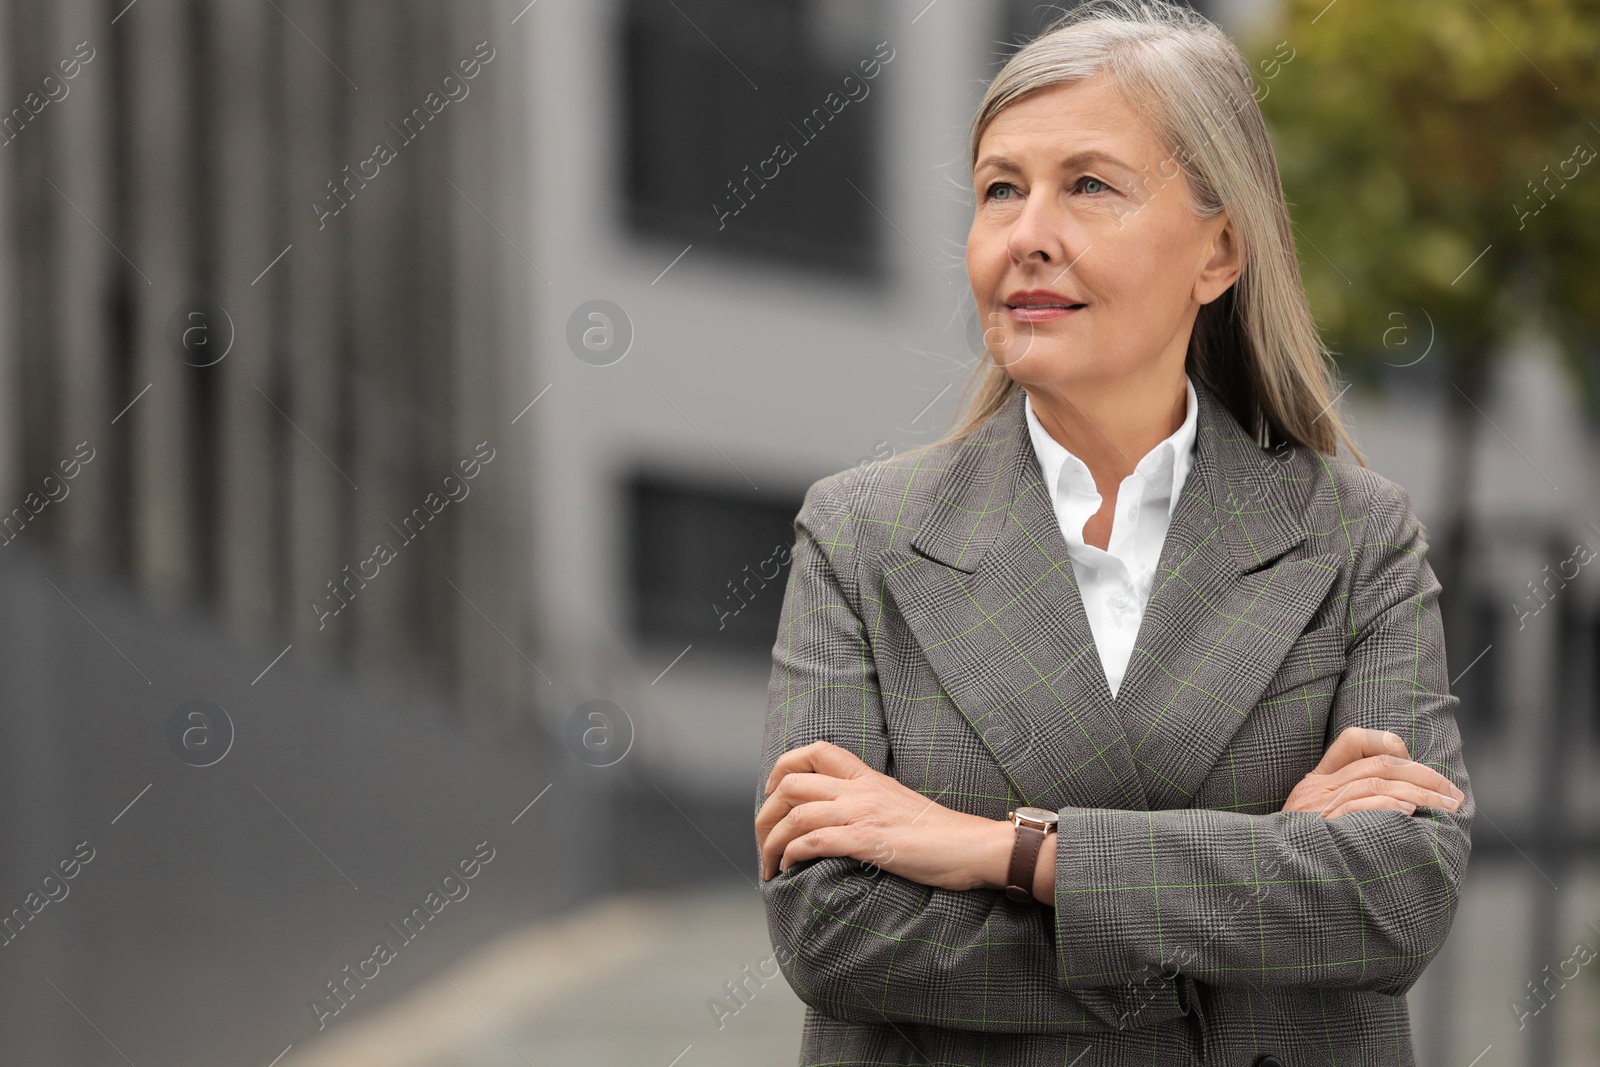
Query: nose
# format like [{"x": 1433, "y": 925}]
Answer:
[{"x": 1036, "y": 234}]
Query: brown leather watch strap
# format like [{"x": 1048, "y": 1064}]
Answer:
[{"x": 1024, "y": 861}]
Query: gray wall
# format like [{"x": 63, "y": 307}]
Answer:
[{"x": 370, "y": 348}]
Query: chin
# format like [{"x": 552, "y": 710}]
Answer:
[{"x": 1047, "y": 362}]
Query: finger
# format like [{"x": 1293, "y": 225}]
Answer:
[
  {"x": 806, "y": 822},
  {"x": 1358, "y": 742},
  {"x": 794, "y": 789},
  {"x": 1349, "y": 792},
  {"x": 1371, "y": 803},
  {"x": 1439, "y": 781},
  {"x": 774, "y": 841},
  {"x": 1427, "y": 777},
  {"x": 841, "y": 841},
  {"x": 804, "y": 819},
  {"x": 1410, "y": 792},
  {"x": 1397, "y": 769},
  {"x": 823, "y": 757}
]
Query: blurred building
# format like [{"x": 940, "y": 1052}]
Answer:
[
  {"x": 263, "y": 290},
  {"x": 277, "y": 338}
]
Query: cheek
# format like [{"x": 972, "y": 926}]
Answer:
[
  {"x": 1154, "y": 255},
  {"x": 983, "y": 266},
  {"x": 1130, "y": 269}
]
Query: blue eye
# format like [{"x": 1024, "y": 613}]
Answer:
[{"x": 991, "y": 193}]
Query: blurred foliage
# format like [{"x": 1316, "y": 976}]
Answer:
[{"x": 1413, "y": 135}]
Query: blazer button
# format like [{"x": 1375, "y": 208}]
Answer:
[{"x": 1267, "y": 1059}]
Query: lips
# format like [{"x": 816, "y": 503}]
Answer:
[{"x": 1042, "y": 298}]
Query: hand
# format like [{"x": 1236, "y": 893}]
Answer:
[
  {"x": 824, "y": 801},
  {"x": 1366, "y": 770}
]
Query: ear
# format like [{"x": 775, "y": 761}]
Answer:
[{"x": 1224, "y": 264}]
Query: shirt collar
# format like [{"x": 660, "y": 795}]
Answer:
[{"x": 1166, "y": 466}]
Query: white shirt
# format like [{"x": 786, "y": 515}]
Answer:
[{"x": 1115, "y": 582}]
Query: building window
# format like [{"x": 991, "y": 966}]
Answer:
[
  {"x": 753, "y": 128},
  {"x": 706, "y": 564}
]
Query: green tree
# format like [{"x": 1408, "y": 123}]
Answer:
[{"x": 1439, "y": 159}]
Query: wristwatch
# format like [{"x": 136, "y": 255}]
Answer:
[{"x": 1034, "y": 825}]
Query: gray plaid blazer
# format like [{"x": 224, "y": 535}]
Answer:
[{"x": 931, "y": 625}]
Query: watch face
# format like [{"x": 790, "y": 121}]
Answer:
[{"x": 1037, "y": 815}]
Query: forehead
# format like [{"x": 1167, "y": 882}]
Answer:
[{"x": 1080, "y": 122}]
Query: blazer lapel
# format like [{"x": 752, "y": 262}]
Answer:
[
  {"x": 1223, "y": 609},
  {"x": 986, "y": 586}
]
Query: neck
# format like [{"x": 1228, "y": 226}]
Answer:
[{"x": 1112, "y": 425}]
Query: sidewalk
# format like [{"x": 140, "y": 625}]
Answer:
[{"x": 625, "y": 983}]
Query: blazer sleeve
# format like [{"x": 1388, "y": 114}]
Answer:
[
  {"x": 856, "y": 942},
  {"x": 1362, "y": 901}
]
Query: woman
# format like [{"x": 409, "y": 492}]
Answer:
[{"x": 1115, "y": 728}]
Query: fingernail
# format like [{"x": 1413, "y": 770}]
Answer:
[{"x": 1452, "y": 803}]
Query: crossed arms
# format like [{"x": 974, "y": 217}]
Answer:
[{"x": 1360, "y": 901}]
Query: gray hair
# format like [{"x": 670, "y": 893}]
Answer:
[{"x": 1256, "y": 345}]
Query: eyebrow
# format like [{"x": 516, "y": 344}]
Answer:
[{"x": 1076, "y": 159}]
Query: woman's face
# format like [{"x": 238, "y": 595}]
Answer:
[{"x": 1078, "y": 204}]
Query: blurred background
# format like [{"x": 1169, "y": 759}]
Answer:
[{"x": 403, "y": 407}]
